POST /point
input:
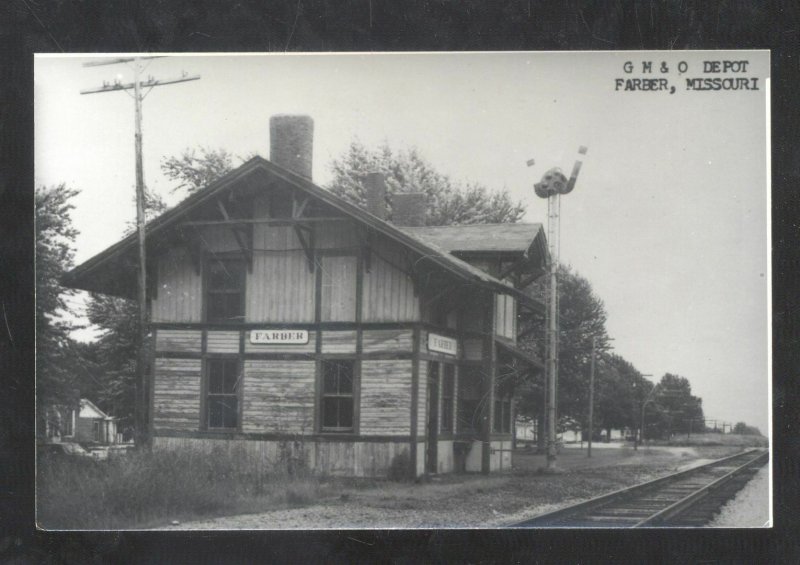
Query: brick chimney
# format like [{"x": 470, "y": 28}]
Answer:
[
  {"x": 291, "y": 143},
  {"x": 376, "y": 194},
  {"x": 408, "y": 209}
]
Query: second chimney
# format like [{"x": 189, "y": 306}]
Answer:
[
  {"x": 376, "y": 194},
  {"x": 408, "y": 209},
  {"x": 291, "y": 143}
]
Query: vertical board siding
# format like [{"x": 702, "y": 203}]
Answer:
[
  {"x": 280, "y": 288},
  {"x": 395, "y": 341},
  {"x": 336, "y": 235},
  {"x": 385, "y": 397},
  {"x": 179, "y": 340},
  {"x": 222, "y": 342},
  {"x": 278, "y": 396},
  {"x": 218, "y": 239},
  {"x": 309, "y": 347},
  {"x": 388, "y": 292},
  {"x": 180, "y": 293},
  {"x": 338, "y": 288},
  {"x": 339, "y": 341},
  {"x": 444, "y": 455},
  {"x": 176, "y": 394}
]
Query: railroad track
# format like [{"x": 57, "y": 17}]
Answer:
[{"x": 685, "y": 499}]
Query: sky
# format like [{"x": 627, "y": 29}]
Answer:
[{"x": 668, "y": 221}]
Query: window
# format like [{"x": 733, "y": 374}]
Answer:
[
  {"x": 222, "y": 398},
  {"x": 225, "y": 290},
  {"x": 469, "y": 394},
  {"x": 502, "y": 415},
  {"x": 448, "y": 385},
  {"x": 338, "y": 301},
  {"x": 337, "y": 396}
]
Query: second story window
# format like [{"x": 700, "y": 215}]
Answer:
[{"x": 225, "y": 282}]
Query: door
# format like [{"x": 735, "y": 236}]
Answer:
[{"x": 431, "y": 456}]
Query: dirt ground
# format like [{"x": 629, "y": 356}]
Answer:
[{"x": 471, "y": 500}]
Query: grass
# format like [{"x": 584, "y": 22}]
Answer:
[{"x": 147, "y": 489}]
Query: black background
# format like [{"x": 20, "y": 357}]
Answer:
[{"x": 30, "y": 26}]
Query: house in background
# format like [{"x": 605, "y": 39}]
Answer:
[
  {"x": 89, "y": 424},
  {"x": 283, "y": 315}
]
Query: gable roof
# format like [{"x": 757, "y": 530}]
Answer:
[
  {"x": 91, "y": 410},
  {"x": 256, "y": 169}
]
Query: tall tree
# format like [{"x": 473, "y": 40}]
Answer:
[
  {"x": 448, "y": 202},
  {"x": 675, "y": 408},
  {"x": 55, "y": 351},
  {"x": 195, "y": 169}
]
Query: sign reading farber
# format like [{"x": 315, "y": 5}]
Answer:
[
  {"x": 285, "y": 337},
  {"x": 442, "y": 344}
]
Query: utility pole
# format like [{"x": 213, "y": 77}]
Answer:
[
  {"x": 553, "y": 184},
  {"x": 141, "y": 435},
  {"x": 591, "y": 398},
  {"x": 640, "y": 438}
]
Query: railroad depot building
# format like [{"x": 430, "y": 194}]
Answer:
[{"x": 282, "y": 315}]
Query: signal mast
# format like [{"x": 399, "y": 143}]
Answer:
[{"x": 553, "y": 184}]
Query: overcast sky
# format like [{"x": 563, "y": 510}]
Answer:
[{"x": 668, "y": 220}]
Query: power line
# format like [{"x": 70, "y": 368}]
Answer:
[{"x": 137, "y": 85}]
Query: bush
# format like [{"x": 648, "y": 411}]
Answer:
[
  {"x": 142, "y": 487},
  {"x": 400, "y": 467}
]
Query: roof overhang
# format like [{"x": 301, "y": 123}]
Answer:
[{"x": 104, "y": 272}]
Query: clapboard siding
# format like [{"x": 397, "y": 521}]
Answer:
[
  {"x": 385, "y": 397},
  {"x": 179, "y": 340},
  {"x": 176, "y": 394},
  {"x": 280, "y": 288},
  {"x": 339, "y": 342},
  {"x": 179, "y": 297},
  {"x": 309, "y": 347},
  {"x": 396, "y": 341},
  {"x": 222, "y": 342},
  {"x": 388, "y": 292},
  {"x": 278, "y": 396}
]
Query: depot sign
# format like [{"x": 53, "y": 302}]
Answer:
[
  {"x": 442, "y": 344},
  {"x": 283, "y": 337}
]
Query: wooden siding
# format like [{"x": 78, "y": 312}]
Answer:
[
  {"x": 336, "y": 458},
  {"x": 339, "y": 341},
  {"x": 218, "y": 239},
  {"x": 176, "y": 398},
  {"x": 278, "y": 396},
  {"x": 222, "y": 342},
  {"x": 385, "y": 397},
  {"x": 180, "y": 296},
  {"x": 473, "y": 349},
  {"x": 395, "y": 341},
  {"x": 422, "y": 401},
  {"x": 280, "y": 288},
  {"x": 506, "y": 316},
  {"x": 309, "y": 347},
  {"x": 444, "y": 456},
  {"x": 179, "y": 340},
  {"x": 336, "y": 235},
  {"x": 388, "y": 292}
]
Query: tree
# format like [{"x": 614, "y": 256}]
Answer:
[
  {"x": 745, "y": 430},
  {"x": 675, "y": 408},
  {"x": 193, "y": 172},
  {"x": 447, "y": 202},
  {"x": 56, "y": 355}
]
